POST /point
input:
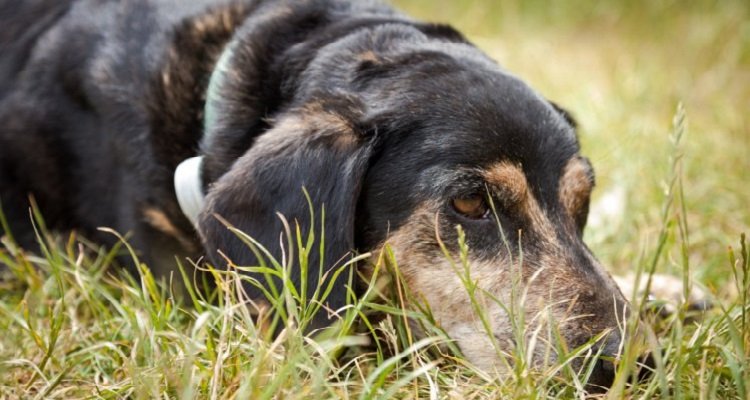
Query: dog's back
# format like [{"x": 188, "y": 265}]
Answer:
[
  {"x": 23, "y": 23},
  {"x": 83, "y": 118}
]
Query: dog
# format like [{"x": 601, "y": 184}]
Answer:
[{"x": 174, "y": 120}]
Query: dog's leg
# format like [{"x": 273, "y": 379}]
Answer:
[
  {"x": 15, "y": 207},
  {"x": 14, "y": 199},
  {"x": 32, "y": 164}
]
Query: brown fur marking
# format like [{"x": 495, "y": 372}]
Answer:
[
  {"x": 510, "y": 178},
  {"x": 370, "y": 56},
  {"x": 510, "y": 181},
  {"x": 575, "y": 185},
  {"x": 159, "y": 220},
  {"x": 321, "y": 121}
]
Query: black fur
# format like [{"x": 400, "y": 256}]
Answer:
[{"x": 371, "y": 112}]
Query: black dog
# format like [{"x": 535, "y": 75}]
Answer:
[{"x": 401, "y": 130}]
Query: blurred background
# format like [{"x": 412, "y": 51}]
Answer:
[{"x": 621, "y": 68}]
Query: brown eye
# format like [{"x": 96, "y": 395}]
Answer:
[{"x": 472, "y": 206}]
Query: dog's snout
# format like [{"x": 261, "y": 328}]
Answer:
[
  {"x": 646, "y": 363},
  {"x": 609, "y": 350},
  {"x": 612, "y": 345},
  {"x": 602, "y": 376}
]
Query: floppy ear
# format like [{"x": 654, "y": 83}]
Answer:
[{"x": 316, "y": 150}]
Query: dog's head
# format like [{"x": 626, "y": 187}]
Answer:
[{"x": 402, "y": 133}]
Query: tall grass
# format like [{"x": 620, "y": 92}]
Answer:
[{"x": 75, "y": 327}]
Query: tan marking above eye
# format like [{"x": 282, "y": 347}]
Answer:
[
  {"x": 473, "y": 206},
  {"x": 508, "y": 182},
  {"x": 576, "y": 185},
  {"x": 509, "y": 179}
]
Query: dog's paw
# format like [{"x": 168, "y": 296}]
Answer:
[{"x": 666, "y": 293}]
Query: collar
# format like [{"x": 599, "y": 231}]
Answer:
[
  {"x": 188, "y": 184},
  {"x": 188, "y": 187}
]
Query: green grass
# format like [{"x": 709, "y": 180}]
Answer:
[{"x": 70, "y": 327}]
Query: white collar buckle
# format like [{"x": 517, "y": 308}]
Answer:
[{"x": 188, "y": 187}]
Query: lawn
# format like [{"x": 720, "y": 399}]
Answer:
[{"x": 661, "y": 92}]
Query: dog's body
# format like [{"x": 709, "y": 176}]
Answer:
[
  {"x": 108, "y": 98},
  {"x": 402, "y": 130}
]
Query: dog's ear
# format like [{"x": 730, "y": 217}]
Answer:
[
  {"x": 314, "y": 149},
  {"x": 567, "y": 116}
]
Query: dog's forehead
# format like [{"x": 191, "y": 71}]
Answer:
[
  {"x": 459, "y": 97},
  {"x": 480, "y": 119}
]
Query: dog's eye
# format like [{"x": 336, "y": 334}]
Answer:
[{"x": 473, "y": 206}]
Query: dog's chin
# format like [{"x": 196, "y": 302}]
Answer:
[
  {"x": 498, "y": 354},
  {"x": 488, "y": 357},
  {"x": 487, "y": 353}
]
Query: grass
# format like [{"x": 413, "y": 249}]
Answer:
[{"x": 73, "y": 328}]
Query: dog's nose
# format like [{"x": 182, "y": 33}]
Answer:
[
  {"x": 609, "y": 350},
  {"x": 603, "y": 374}
]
